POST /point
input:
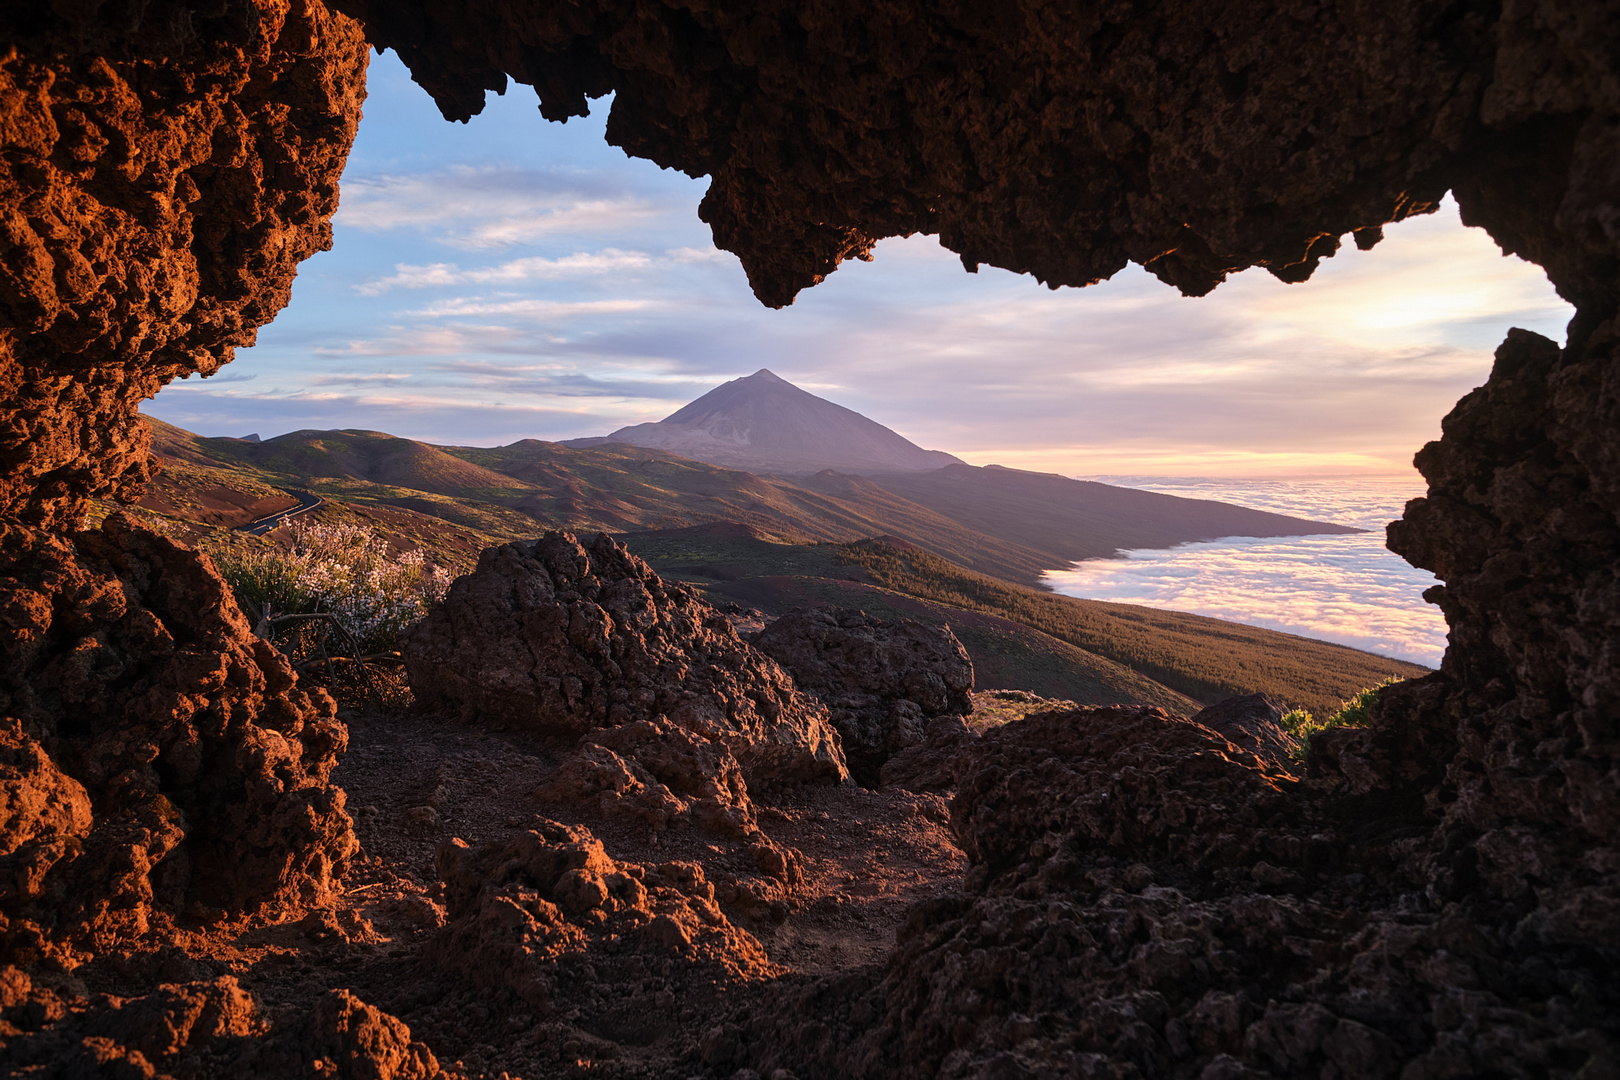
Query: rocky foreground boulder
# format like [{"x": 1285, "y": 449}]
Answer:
[
  {"x": 1147, "y": 898},
  {"x": 882, "y": 680},
  {"x": 156, "y": 759},
  {"x": 557, "y": 637},
  {"x": 1254, "y": 722}
]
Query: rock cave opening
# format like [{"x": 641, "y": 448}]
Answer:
[{"x": 1436, "y": 896}]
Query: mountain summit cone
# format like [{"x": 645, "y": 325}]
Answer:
[{"x": 763, "y": 423}]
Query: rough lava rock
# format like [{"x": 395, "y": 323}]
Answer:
[
  {"x": 166, "y": 167},
  {"x": 524, "y": 912},
  {"x": 657, "y": 773},
  {"x": 551, "y": 636},
  {"x": 154, "y": 753},
  {"x": 1059, "y": 141},
  {"x": 934, "y": 763},
  {"x": 202, "y": 1029},
  {"x": 1148, "y": 899},
  {"x": 882, "y": 680},
  {"x": 1437, "y": 898},
  {"x": 1254, "y": 722}
]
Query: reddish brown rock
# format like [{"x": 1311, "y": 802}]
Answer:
[
  {"x": 1254, "y": 722},
  {"x": 166, "y": 165},
  {"x": 657, "y": 773},
  {"x": 173, "y": 1029},
  {"x": 550, "y": 636},
  {"x": 354, "y": 1040},
  {"x": 882, "y": 681},
  {"x": 525, "y": 912},
  {"x": 206, "y": 765},
  {"x": 1057, "y": 141},
  {"x": 165, "y": 171},
  {"x": 1149, "y": 899},
  {"x": 206, "y": 1029},
  {"x": 934, "y": 763}
]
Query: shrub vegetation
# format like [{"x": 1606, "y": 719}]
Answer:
[
  {"x": 337, "y": 593},
  {"x": 1353, "y": 712}
]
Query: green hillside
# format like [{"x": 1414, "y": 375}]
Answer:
[{"x": 1067, "y": 520}]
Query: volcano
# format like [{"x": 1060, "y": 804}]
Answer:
[{"x": 765, "y": 424}]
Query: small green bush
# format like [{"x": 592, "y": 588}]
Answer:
[{"x": 1353, "y": 712}]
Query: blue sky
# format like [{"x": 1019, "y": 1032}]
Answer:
[{"x": 512, "y": 278}]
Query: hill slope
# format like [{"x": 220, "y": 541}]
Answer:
[
  {"x": 764, "y": 423},
  {"x": 1075, "y": 519},
  {"x": 1206, "y": 659}
]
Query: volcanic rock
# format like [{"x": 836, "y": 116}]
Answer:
[
  {"x": 165, "y": 171},
  {"x": 882, "y": 681},
  {"x": 1254, "y": 722},
  {"x": 550, "y": 636},
  {"x": 208, "y": 1029},
  {"x": 524, "y": 912},
  {"x": 933, "y": 764},
  {"x": 1437, "y": 899},
  {"x": 1147, "y": 898},
  {"x": 186, "y": 768},
  {"x": 657, "y": 773}
]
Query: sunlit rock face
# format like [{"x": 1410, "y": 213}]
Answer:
[
  {"x": 157, "y": 761},
  {"x": 166, "y": 167}
]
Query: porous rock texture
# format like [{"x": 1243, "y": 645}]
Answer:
[
  {"x": 881, "y": 680},
  {"x": 524, "y": 914},
  {"x": 1056, "y": 140},
  {"x": 1148, "y": 899},
  {"x": 1254, "y": 722},
  {"x": 551, "y": 636},
  {"x": 200, "y": 1029},
  {"x": 166, "y": 167},
  {"x": 655, "y": 772},
  {"x": 155, "y": 756}
]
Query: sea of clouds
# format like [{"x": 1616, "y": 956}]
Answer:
[{"x": 1348, "y": 589}]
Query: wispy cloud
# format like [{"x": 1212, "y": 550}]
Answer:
[
  {"x": 534, "y": 309},
  {"x": 534, "y": 268},
  {"x": 493, "y": 207}
]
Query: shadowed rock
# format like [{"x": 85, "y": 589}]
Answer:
[
  {"x": 1254, "y": 722},
  {"x": 882, "y": 680},
  {"x": 525, "y": 911},
  {"x": 1147, "y": 898},
  {"x": 549, "y": 636},
  {"x": 206, "y": 765},
  {"x": 1439, "y": 901}
]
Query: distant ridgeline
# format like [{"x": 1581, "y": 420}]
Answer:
[
  {"x": 977, "y": 538},
  {"x": 1002, "y": 522}
]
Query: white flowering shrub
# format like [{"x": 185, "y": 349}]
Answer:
[{"x": 343, "y": 570}]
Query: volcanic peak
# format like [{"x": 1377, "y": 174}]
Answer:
[{"x": 763, "y": 423}]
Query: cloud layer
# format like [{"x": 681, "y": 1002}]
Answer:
[{"x": 1347, "y": 588}]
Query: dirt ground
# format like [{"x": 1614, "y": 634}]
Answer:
[{"x": 416, "y": 782}]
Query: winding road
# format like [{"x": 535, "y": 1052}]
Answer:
[{"x": 307, "y": 502}]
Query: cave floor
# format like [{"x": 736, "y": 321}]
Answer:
[{"x": 415, "y": 781}]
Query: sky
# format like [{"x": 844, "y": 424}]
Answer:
[{"x": 513, "y": 278}]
